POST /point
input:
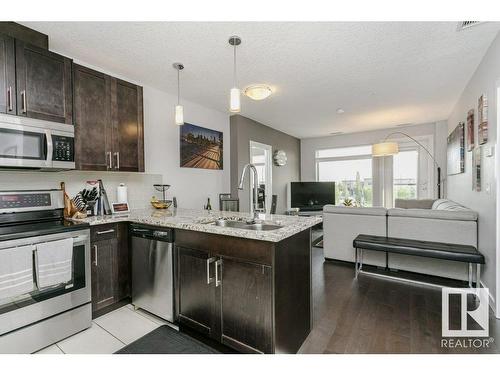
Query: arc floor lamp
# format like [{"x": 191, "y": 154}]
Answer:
[{"x": 386, "y": 148}]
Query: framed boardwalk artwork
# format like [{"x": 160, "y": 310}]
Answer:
[{"x": 201, "y": 147}]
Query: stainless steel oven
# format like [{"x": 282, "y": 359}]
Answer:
[
  {"x": 31, "y": 320},
  {"x": 36, "y": 144}
]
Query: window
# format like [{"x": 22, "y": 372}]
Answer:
[
  {"x": 351, "y": 169},
  {"x": 405, "y": 175}
]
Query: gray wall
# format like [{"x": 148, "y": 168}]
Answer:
[
  {"x": 243, "y": 130},
  {"x": 485, "y": 80}
]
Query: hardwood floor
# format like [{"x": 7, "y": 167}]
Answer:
[{"x": 375, "y": 315}]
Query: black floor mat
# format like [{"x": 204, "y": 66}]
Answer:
[{"x": 165, "y": 340}]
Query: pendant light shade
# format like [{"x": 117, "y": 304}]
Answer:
[
  {"x": 179, "y": 109},
  {"x": 179, "y": 115},
  {"x": 234, "y": 101},
  {"x": 234, "y": 95}
]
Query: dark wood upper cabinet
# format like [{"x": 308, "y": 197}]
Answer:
[
  {"x": 92, "y": 113},
  {"x": 246, "y": 308},
  {"x": 44, "y": 89},
  {"x": 7, "y": 75},
  {"x": 109, "y": 128},
  {"x": 128, "y": 137}
]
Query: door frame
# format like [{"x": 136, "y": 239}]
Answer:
[{"x": 269, "y": 172}]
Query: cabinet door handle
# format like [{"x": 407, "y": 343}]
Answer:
[
  {"x": 110, "y": 160},
  {"x": 218, "y": 281},
  {"x": 23, "y": 101},
  {"x": 95, "y": 255},
  {"x": 9, "y": 98},
  {"x": 209, "y": 261},
  {"x": 117, "y": 156},
  {"x": 106, "y": 231}
]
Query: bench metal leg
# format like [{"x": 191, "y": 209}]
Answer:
[
  {"x": 478, "y": 275},
  {"x": 360, "y": 259},
  {"x": 356, "y": 263},
  {"x": 470, "y": 275}
]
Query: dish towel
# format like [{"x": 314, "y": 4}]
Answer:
[
  {"x": 54, "y": 262},
  {"x": 16, "y": 271}
]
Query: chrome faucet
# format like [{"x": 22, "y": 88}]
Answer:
[{"x": 254, "y": 209}]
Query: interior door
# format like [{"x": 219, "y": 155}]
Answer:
[
  {"x": 127, "y": 113},
  {"x": 7, "y": 75},
  {"x": 92, "y": 109},
  {"x": 246, "y": 306},
  {"x": 195, "y": 289},
  {"x": 43, "y": 84}
]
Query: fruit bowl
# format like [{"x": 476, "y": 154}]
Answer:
[{"x": 160, "y": 204}]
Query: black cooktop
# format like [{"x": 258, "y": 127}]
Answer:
[{"x": 13, "y": 231}]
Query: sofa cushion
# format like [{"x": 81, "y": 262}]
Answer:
[
  {"x": 446, "y": 204},
  {"x": 374, "y": 211},
  {"x": 465, "y": 215},
  {"x": 414, "y": 203}
]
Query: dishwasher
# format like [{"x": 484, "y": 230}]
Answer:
[{"x": 152, "y": 270}]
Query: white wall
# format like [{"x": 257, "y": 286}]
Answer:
[
  {"x": 191, "y": 186},
  {"x": 485, "y": 80},
  {"x": 140, "y": 185},
  {"x": 308, "y": 147}
]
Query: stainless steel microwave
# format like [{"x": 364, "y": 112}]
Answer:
[{"x": 36, "y": 144}]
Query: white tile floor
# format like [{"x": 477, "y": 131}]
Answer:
[{"x": 108, "y": 333}]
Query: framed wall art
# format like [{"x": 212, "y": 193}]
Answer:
[
  {"x": 200, "y": 147},
  {"x": 456, "y": 150},
  {"x": 470, "y": 130},
  {"x": 482, "y": 121}
]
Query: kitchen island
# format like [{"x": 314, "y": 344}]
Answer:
[{"x": 249, "y": 289}]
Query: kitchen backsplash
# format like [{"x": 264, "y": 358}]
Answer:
[{"x": 140, "y": 185}]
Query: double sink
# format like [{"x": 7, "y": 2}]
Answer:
[{"x": 244, "y": 225}]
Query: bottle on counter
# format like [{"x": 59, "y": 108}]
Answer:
[{"x": 208, "y": 206}]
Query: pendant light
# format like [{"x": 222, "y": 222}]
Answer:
[
  {"x": 234, "y": 101},
  {"x": 179, "y": 109}
]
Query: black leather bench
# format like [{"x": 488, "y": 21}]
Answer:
[{"x": 437, "y": 250}]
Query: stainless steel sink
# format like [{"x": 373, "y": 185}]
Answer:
[{"x": 244, "y": 225}]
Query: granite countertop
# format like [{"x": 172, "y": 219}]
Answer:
[{"x": 202, "y": 221}]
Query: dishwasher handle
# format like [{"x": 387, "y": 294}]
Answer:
[{"x": 158, "y": 234}]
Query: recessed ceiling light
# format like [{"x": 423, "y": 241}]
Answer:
[
  {"x": 336, "y": 133},
  {"x": 340, "y": 111},
  {"x": 258, "y": 92}
]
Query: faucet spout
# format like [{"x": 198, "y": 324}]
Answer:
[{"x": 254, "y": 210}]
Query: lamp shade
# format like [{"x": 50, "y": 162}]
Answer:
[
  {"x": 385, "y": 149},
  {"x": 179, "y": 115},
  {"x": 234, "y": 102}
]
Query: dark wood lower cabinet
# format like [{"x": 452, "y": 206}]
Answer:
[
  {"x": 110, "y": 277},
  {"x": 246, "y": 306},
  {"x": 103, "y": 285},
  {"x": 195, "y": 303},
  {"x": 253, "y": 296}
]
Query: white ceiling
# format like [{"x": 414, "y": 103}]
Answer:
[{"x": 381, "y": 73}]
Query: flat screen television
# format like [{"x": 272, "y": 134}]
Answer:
[{"x": 311, "y": 196}]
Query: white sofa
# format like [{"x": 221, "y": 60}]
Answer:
[{"x": 440, "y": 220}]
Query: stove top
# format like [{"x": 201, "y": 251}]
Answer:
[
  {"x": 23, "y": 230},
  {"x": 33, "y": 213}
]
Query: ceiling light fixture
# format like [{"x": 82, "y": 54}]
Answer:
[
  {"x": 340, "y": 111},
  {"x": 179, "y": 109},
  {"x": 258, "y": 92},
  {"x": 234, "y": 101}
]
